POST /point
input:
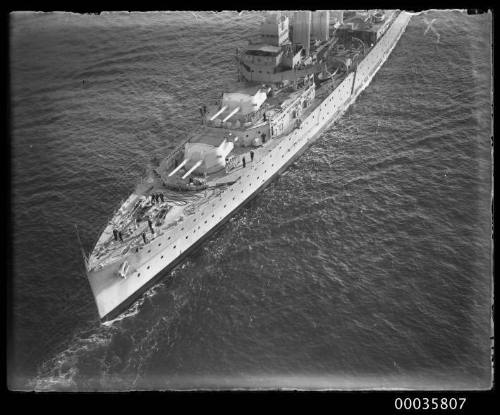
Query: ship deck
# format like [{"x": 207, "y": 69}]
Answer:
[{"x": 131, "y": 217}]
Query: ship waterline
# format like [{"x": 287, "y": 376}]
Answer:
[{"x": 170, "y": 215}]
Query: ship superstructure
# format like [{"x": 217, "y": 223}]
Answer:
[{"x": 294, "y": 79}]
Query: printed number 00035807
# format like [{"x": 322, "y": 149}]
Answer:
[{"x": 429, "y": 403}]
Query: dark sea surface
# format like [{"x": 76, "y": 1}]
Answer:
[{"x": 366, "y": 265}]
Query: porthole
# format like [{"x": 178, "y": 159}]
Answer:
[
  {"x": 159, "y": 244},
  {"x": 149, "y": 251},
  {"x": 205, "y": 221},
  {"x": 174, "y": 246},
  {"x": 162, "y": 257},
  {"x": 148, "y": 267},
  {"x": 169, "y": 238},
  {"x": 139, "y": 274},
  {"x": 186, "y": 236}
]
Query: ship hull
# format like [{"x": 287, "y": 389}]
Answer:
[{"x": 115, "y": 297}]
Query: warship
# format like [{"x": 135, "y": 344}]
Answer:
[{"x": 294, "y": 80}]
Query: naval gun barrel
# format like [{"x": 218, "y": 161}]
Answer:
[
  {"x": 180, "y": 166},
  {"x": 218, "y": 113},
  {"x": 192, "y": 169},
  {"x": 231, "y": 114}
]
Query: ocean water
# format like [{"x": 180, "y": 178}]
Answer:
[{"x": 367, "y": 264}]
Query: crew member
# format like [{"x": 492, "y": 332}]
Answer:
[
  {"x": 144, "y": 237},
  {"x": 244, "y": 162},
  {"x": 151, "y": 226},
  {"x": 120, "y": 236},
  {"x": 251, "y": 155},
  {"x": 115, "y": 234}
]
